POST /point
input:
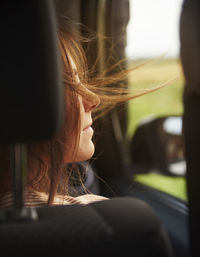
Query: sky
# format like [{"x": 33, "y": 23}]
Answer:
[{"x": 153, "y": 29}]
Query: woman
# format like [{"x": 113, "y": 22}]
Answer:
[{"x": 51, "y": 164}]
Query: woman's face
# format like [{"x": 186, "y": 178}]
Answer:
[{"x": 85, "y": 146}]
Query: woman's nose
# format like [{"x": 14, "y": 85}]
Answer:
[{"x": 90, "y": 102}]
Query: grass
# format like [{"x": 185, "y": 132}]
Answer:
[
  {"x": 163, "y": 102},
  {"x": 175, "y": 186}
]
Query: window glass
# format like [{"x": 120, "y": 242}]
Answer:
[{"x": 153, "y": 43}]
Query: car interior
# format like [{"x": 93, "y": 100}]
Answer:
[{"x": 137, "y": 220}]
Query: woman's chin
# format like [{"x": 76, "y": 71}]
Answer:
[{"x": 85, "y": 154}]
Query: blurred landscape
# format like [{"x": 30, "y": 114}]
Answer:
[
  {"x": 153, "y": 32},
  {"x": 163, "y": 102}
]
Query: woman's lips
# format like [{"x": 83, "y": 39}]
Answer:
[
  {"x": 89, "y": 125},
  {"x": 89, "y": 130}
]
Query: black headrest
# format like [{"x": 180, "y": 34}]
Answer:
[{"x": 30, "y": 83}]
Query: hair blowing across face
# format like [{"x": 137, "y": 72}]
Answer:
[{"x": 46, "y": 169}]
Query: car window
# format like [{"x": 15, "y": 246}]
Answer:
[{"x": 153, "y": 44}]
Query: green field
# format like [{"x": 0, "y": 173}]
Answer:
[
  {"x": 175, "y": 186},
  {"x": 163, "y": 102}
]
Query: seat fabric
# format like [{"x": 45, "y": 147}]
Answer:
[{"x": 115, "y": 227}]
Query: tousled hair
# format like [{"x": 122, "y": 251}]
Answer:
[{"x": 46, "y": 169}]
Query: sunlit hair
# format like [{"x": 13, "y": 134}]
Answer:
[{"x": 46, "y": 169}]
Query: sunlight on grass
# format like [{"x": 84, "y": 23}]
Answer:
[
  {"x": 175, "y": 186},
  {"x": 165, "y": 101}
]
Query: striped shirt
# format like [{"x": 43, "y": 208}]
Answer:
[{"x": 36, "y": 199}]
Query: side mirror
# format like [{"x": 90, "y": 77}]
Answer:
[{"x": 158, "y": 145}]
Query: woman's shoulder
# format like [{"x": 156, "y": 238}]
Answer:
[
  {"x": 36, "y": 199},
  {"x": 83, "y": 199},
  {"x": 89, "y": 198},
  {"x": 31, "y": 199}
]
